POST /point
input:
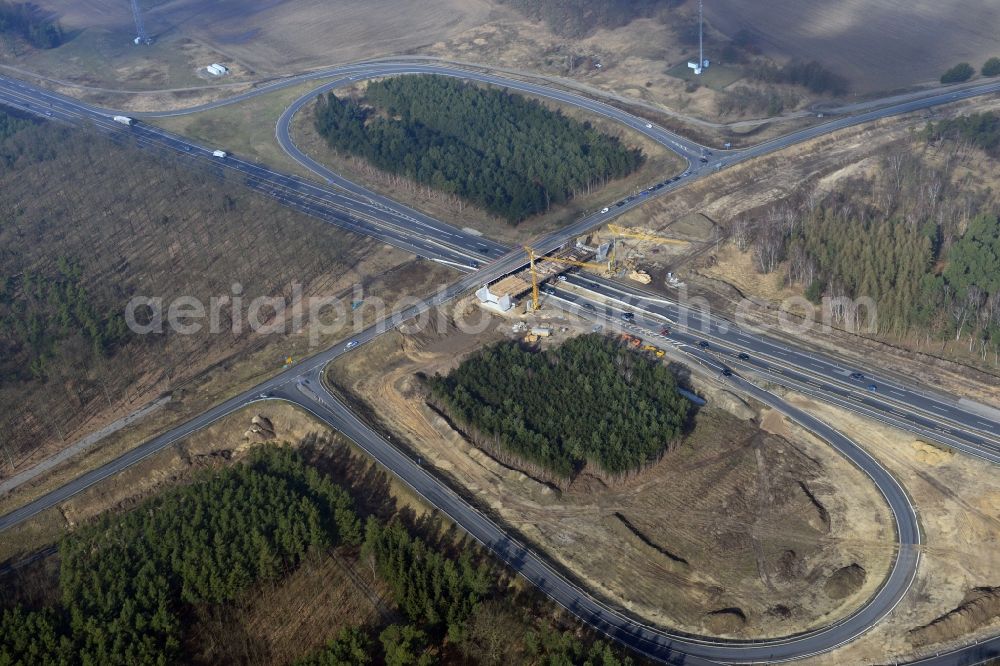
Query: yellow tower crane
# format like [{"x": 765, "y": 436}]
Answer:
[{"x": 559, "y": 260}]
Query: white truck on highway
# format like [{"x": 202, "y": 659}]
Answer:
[
  {"x": 220, "y": 153},
  {"x": 124, "y": 120}
]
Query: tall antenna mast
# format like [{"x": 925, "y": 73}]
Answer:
[
  {"x": 701, "y": 45},
  {"x": 700, "y": 66},
  {"x": 140, "y": 30}
]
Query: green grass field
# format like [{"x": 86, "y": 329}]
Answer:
[
  {"x": 245, "y": 128},
  {"x": 716, "y": 77}
]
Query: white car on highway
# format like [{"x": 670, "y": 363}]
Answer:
[
  {"x": 604, "y": 210},
  {"x": 351, "y": 345}
]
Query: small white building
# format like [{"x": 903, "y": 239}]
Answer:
[
  {"x": 698, "y": 68},
  {"x": 215, "y": 69}
]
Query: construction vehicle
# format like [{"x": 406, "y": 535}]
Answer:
[
  {"x": 653, "y": 349},
  {"x": 630, "y": 341},
  {"x": 124, "y": 120},
  {"x": 642, "y": 277},
  {"x": 559, "y": 260}
]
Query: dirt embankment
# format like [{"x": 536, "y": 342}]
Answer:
[
  {"x": 980, "y": 607},
  {"x": 957, "y": 498},
  {"x": 733, "y": 533},
  {"x": 845, "y": 581}
]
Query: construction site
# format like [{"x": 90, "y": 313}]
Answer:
[
  {"x": 635, "y": 254},
  {"x": 803, "y": 534}
]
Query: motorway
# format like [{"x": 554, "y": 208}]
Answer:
[
  {"x": 931, "y": 415},
  {"x": 303, "y": 385},
  {"x": 359, "y": 210},
  {"x": 819, "y": 375}
]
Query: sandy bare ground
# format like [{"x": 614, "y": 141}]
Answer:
[
  {"x": 725, "y": 276},
  {"x": 958, "y": 503},
  {"x": 737, "y": 517},
  {"x": 877, "y": 44}
]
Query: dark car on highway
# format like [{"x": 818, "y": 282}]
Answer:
[{"x": 703, "y": 344}]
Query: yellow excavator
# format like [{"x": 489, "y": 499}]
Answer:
[{"x": 559, "y": 260}]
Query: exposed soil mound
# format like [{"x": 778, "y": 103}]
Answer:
[
  {"x": 790, "y": 566},
  {"x": 263, "y": 422},
  {"x": 845, "y": 581},
  {"x": 587, "y": 484},
  {"x": 725, "y": 621},
  {"x": 930, "y": 454},
  {"x": 820, "y": 520},
  {"x": 261, "y": 430},
  {"x": 980, "y": 607}
]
